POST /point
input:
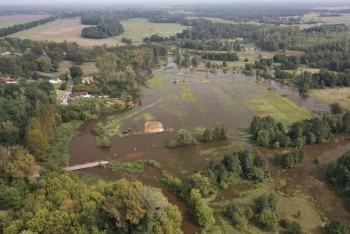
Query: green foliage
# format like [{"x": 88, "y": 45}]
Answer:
[
  {"x": 62, "y": 203},
  {"x": 290, "y": 227},
  {"x": 291, "y": 159},
  {"x": 202, "y": 183},
  {"x": 202, "y": 212},
  {"x": 172, "y": 182},
  {"x": 234, "y": 214},
  {"x": 103, "y": 30},
  {"x": 183, "y": 138},
  {"x": 337, "y": 109},
  {"x": 76, "y": 72},
  {"x": 336, "y": 227},
  {"x": 338, "y": 171},
  {"x": 248, "y": 164},
  {"x": 219, "y": 132},
  {"x": 267, "y": 219},
  {"x": 310, "y": 131},
  {"x": 135, "y": 166}
]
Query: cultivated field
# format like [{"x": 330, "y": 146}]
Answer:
[
  {"x": 10, "y": 20},
  {"x": 69, "y": 30},
  {"x": 340, "y": 95}
]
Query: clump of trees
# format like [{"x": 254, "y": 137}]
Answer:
[
  {"x": 248, "y": 164},
  {"x": 183, "y": 138},
  {"x": 103, "y": 30},
  {"x": 269, "y": 133},
  {"x": 221, "y": 56},
  {"x": 219, "y": 132},
  {"x": 290, "y": 159},
  {"x": 266, "y": 208}
]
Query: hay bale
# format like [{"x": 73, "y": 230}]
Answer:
[{"x": 154, "y": 127}]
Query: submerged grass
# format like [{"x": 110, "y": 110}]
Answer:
[
  {"x": 281, "y": 108},
  {"x": 156, "y": 80},
  {"x": 58, "y": 153},
  {"x": 188, "y": 94},
  {"x": 135, "y": 166}
]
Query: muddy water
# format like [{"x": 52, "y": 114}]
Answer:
[
  {"x": 311, "y": 178},
  {"x": 207, "y": 111}
]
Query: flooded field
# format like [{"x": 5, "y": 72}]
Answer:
[{"x": 194, "y": 102}]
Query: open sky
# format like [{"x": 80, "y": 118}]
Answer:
[{"x": 46, "y": 2}]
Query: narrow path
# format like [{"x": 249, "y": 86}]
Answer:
[{"x": 86, "y": 165}]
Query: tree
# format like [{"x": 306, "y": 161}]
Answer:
[
  {"x": 206, "y": 136},
  {"x": 267, "y": 219},
  {"x": 220, "y": 131},
  {"x": 75, "y": 72},
  {"x": 202, "y": 212},
  {"x": 44, "y": 63},
  {"x": 125, "y": 204},
  {"x": 194, "y": 61},
  {"x": 37, "y": 143},
  {"x": 337, "y": 109},
  {"x": 106, "y": 64},
  {"x": 183, "y": 138},
  {"x": 336, "y": 227}
]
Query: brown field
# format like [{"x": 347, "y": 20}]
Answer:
[
  {"x": 61, "y": 30},
  {"x": 70, "y": 29},
  {"x": 339, "y": 95},
  {"x": 10, "y": 20}
]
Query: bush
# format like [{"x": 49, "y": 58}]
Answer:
[
  {"x": 267, "y": 219},
  {"x": 336, "y": 227},
  {"x": 291, "y": 227},
  {"x": 291, "y": 159},
  {"x": 338, "y": 173},
  {"x": 183, "y": 138}
]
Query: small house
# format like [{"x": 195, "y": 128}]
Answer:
[
  {"x": 55, "y": 80},
  {"x": 11, "y": 80},
  {"x": 79, "y": 94},
  {"x": 87, "y": 80}
]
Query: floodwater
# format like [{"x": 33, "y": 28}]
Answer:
[{"x": 194, "y": 103}]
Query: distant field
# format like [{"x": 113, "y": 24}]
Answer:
[
  {"x": 10, "y": 20},
  {"x": 137, "y": 29},
  {"x": 329, "y": 20},
  {"x": 69, "y": 30},
  {"x": 340, "y": 95}
]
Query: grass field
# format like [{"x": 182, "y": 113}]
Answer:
[
  {"x": 137, "y": 29},
  {"x": 70, "y": 29},
  {"x": 340, "y": 95},
  {"x": 88, "y": 67},
  {"x": 10, "y": 20}
]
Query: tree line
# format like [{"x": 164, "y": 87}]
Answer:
[{"x": 21, "y": 27}]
